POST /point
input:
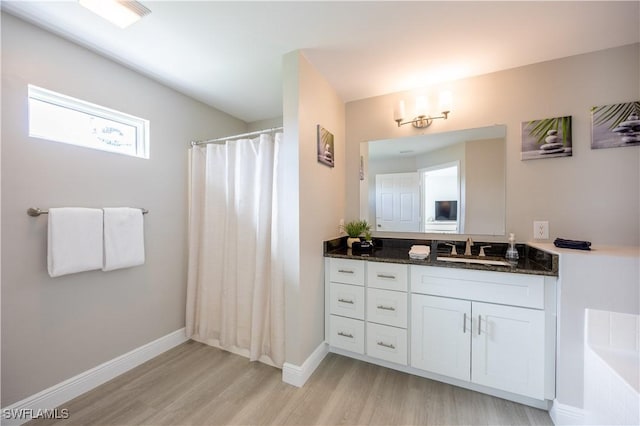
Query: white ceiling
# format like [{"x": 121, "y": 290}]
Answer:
[{"x": 229, "y": 54}]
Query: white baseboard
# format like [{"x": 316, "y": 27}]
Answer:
[
  {"x": 563, "y": 414},
  {"x": 57, "y": 395},
  {"x": 297, "y": 375}
]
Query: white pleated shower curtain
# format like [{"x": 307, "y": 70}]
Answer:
[{"x": 235, "y": 290}]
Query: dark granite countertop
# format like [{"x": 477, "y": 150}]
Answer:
[{"x": 396, "y": 250}]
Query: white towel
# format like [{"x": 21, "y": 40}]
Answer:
[
  {"x": 123, "y": 238},
  {"x": 74, "y": 242},
  {"x": 419, "y": 252},
  {"x": 420, "y": 249}
]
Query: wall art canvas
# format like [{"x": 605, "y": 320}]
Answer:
[
  {"x": 546, "y": 138},
  {"x": 615, "y": 125},
  {"x": 325, "y": 147}
]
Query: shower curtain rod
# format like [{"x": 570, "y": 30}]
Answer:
[{"x": 226, "y": 138}]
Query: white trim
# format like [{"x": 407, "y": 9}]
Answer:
[
  {"x": 65, "y": 391},
  {"x": 298, "y": 375},
  {"x": 563, "y": 414}
]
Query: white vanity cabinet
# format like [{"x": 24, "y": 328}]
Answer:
[
  {"x": 368, "y": 308},
  {"x": 489, "y": 331},
  {"x": 495, "y": 345},
  {"x": 387, "y": 313},
  {"x": 346, "y": 305}
]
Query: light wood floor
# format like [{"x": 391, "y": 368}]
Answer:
[{"x": 194, "y": 384}]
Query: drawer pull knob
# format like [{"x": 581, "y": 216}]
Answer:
[
  {"x": 346, "y": 301},
  {"x": 391, "y": 277},
  {"x": 386, "y": 308},
  {"x": 340, "y": 333},
  {"x": 345, "y": 271},
  {"x": 386, "y": 345}
]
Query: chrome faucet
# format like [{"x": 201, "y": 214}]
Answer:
[
  {"x": 453, "y": 248},
  {"x": 467, "y": 250}
]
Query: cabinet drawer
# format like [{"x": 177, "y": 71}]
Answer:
[
  {"x": 347, "y": 300},
  {"x": 485, "y": 286},
  {"x": 346, "y": 333},
  {"x": 387, "y": 307},
  {"x": 346, "y": 271},
  {"x": 387, "y": 343},
  {"x": 387, "y": 276}
]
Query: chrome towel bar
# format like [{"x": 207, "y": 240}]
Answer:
[{"x": 35, "y": 211}]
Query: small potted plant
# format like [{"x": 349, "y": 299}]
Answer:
[{"x": 355, "y": 229}]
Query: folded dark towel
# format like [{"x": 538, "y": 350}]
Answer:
[{"x": 572, "y": 244}]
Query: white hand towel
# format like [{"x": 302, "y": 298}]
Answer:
[
  {"x": 123, "y": 238},
  {"x": 419, "y": 252},
  {"x": 74, "y": 242},
  {"x": 420, "y": 249}
]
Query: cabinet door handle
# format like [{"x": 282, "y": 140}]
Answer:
[
  {"x": 479, "y": 323},
  {"x": 464, "y": 323},
  {"x": 345, "y": 271},
  {"x": 386, "y": 345},
  {"x": 386, "y": 308},
  {"x": 340, "y": 333},
  {"x": 346, "y": 301},
  {"x": 391, "y": 277}
]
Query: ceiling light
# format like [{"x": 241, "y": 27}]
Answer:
[
  {"x": 119, "y": 12},
  {"x": 422, "y": 118}
]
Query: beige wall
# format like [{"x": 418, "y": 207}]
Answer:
[
  {"x": 314, "y": 196},
  {"x": 264, "y": 124},
  {"x": 53, "y": 329},
  {"x": 484, "y": 203},
  {"x": 574, "y": 194}
]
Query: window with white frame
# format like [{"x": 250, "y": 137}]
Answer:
[{"x": 57, "y": 117}]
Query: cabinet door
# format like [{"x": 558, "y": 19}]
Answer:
[
  {"x": 508, "y": 348},
  {"x": 346, "y": 333},
  {"x": 347, "y": 300},
  {"x": 387, "y": 307},
  {"x": 441, "y": 335},
  {"x": 387, "y": 276},
  {"x": 388, "y": 343},
  {"x": 346, "y": 271}
]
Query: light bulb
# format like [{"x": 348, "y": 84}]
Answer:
[
  {"x": 398, "y": 111},
  {"x": 421, "y": 106},
  {"x": 445, "y": 101}
]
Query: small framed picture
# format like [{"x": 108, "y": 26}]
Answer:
[
  {"x": 546, "y": 138},
  {"x": 325, "y": 147},
  {"x": 616, "y": 125}
]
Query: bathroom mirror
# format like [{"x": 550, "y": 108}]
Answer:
[{"x": 451, "y": 182}]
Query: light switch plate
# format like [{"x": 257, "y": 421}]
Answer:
[{"x": 540, "y": 230}]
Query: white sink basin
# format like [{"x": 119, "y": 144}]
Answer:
[{"x": 474, "y": 260}]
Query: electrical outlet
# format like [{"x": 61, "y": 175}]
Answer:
[
  {"x": 341, "y": 227},
  {"x": 540, "y": 230}
]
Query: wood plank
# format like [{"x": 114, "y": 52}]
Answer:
[{"x": 195, "y": 384}]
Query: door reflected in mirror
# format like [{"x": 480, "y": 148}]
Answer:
[{"x": 452, "y": 182}]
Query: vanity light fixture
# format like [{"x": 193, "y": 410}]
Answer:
[
  {"x": 121, "y": 13},
  {"x": 422, "y": 118}
]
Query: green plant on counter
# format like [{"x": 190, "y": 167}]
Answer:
[{"x": 355, "y": 228}]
